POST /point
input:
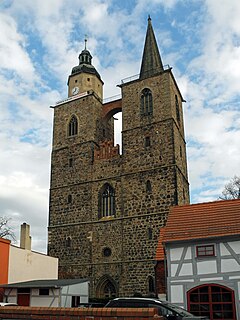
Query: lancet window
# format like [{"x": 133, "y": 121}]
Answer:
[
  {"x": 146, "y": 102},
  {"x": 107, "y": 201},
  {"x": 73, "y": 126}
]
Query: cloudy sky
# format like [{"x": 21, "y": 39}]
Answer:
[{"x": 40, "y": 42}]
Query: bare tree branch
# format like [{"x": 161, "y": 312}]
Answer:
[
  {"x": 231, "y": 189},
  {"x": 6, "y": 230}
]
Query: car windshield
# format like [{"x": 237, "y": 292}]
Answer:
[{"x": 179, "y": 310}]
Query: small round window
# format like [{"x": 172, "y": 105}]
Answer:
[{"x": 107, "y": 252}]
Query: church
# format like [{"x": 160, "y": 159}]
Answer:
[{"x": 106, "y": 207}]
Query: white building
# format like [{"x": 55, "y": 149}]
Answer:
[
  {"x": 48, "y": 293},
  {"x": 22, "y": 264},
  {"x": 202, "y": 247}
]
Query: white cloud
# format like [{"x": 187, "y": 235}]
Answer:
[{"x": 13, "y": 55}]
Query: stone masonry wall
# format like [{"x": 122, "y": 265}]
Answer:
[{"x": 147, "y": 179}]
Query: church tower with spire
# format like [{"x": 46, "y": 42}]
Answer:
[{"x": 106, "y": 208}]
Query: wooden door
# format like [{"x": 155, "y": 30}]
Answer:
[{"x": 23, "y": 299}]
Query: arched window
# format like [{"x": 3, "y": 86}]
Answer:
[
  {"x": 150, "y": 234},
  {"x": 148, "y": 186},
  {"x": 151, "y": 284},
  {"x": 69, "y": 198},
  {"x": 68, "y": 242},
  {"x": 146, "y": 102},
  {"x": 212, "y": 301},
  {"x": 70, "y": 162},
  {"x": 147, "y": 142},
  {"x": 107, "y": 201},
  {"x": 73, "y": 126}
]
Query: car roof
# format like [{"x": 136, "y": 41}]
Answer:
[{"x": 140, "y": 299}]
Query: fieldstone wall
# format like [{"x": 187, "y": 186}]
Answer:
[{"x": 117, "y": 253}]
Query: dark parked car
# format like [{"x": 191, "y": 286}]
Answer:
[
  {"x": 91, "y": 305},
  {"x": 165, "y": 309}
]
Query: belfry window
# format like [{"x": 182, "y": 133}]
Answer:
[
  {"x": 146, "y": 103},
  {"x": 106, "y": 201},
  {"x": 73, "y": 126}
]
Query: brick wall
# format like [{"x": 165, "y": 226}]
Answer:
[
  {"x": 160, "y": 278},
  {"x": 75, "y": 313}
]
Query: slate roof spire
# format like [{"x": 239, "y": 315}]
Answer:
[{"x": 151, "y": 59}]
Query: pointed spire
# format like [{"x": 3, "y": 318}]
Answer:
[{"x": 151, "y": 59}]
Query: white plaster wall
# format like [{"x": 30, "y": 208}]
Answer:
[
  {"x": 235, "y": 245},
  {"x": 79, "y": 289},
  {"x": 44, "y": 301},
  {"x": 229, "y": 265},
  {"x": 11, "y": 295},
  {"x": 27, "y": 265},
  {"x": 223, "y": 250},
  {"x": 52, "y": 292},
  {"x": 177, "y": 294},
  {"x": 173, "y": 269},
  {"x": 206, "y": 267},
  {"x": 36, "y": 300},
  {"x": 186, "y": 270},
  {"x": 175, "y": 254},
  {"x": 188, "y": 253}
]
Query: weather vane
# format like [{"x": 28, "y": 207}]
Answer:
[{"x": 85, "y": 40}]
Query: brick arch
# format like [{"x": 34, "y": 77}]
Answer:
[{"x": 111, "y": 108}]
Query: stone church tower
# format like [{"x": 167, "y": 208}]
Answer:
[{"x": 106, "y": 208}]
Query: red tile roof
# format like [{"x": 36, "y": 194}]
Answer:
[
  {"x": 203, "y": 220},
  {"x": 160, "y": 249}
]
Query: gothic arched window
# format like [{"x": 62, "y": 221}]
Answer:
[
  {"x": 106, "y": 201},
  {"x": 151, "y": 284},
  {"x": 73, "y": 126},
  {"x": 146, "y": 102},
  {"x": 69, "y": 199},
  {"x": 68, "y": 242},
  {"x": 148, "y": 186}
]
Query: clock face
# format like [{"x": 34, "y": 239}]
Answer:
[{"x": 75, "y": 90}]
